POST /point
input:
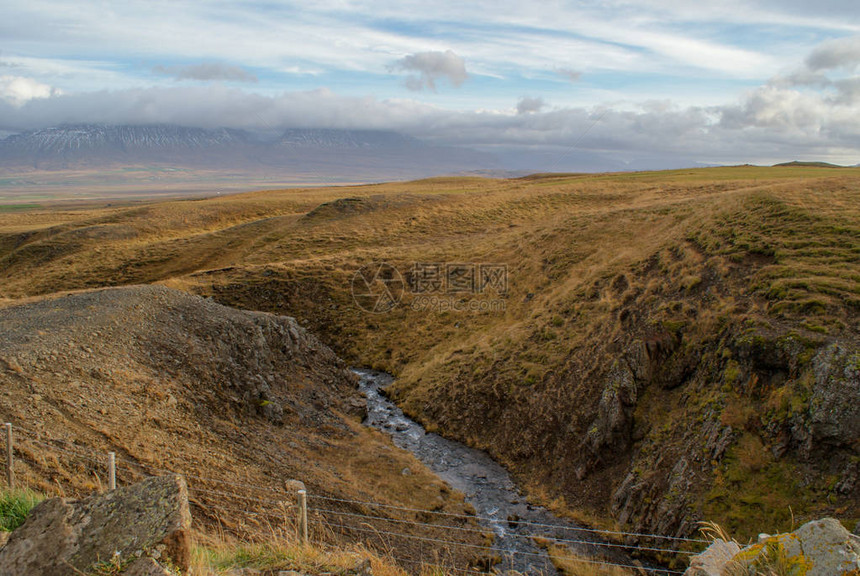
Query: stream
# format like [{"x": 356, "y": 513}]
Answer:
[{"x": 487, "y": 486}]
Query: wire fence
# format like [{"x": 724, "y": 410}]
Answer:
[{"x": 431, "y": 537}]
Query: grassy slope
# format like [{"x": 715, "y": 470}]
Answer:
[{"x": 691, "y": 266}]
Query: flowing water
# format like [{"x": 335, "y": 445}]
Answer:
[{"x": 487, "y": 486}]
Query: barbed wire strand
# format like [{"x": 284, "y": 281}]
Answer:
[
  {"x": 91, "y": 456},
  {"x": 510, "y": 534},
  {"x": 496, "y": 520},
  {"x": 491, "y": 549}
]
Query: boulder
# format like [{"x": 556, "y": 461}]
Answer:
[
  {"x": 818, "y": 548},
  {"x": 63, "y": 537},
  {"x": 713, "y": 559}
]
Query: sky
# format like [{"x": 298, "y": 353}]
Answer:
[{"x": 649, "y": 84}]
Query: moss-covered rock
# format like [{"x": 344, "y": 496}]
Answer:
[
  {"x": 818, "y": 548},
  {"x": 64, "y": 538}
]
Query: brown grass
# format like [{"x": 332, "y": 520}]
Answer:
[{"x": 595, "y": 262}]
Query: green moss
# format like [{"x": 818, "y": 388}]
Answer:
[
  {"x": 732, "y": 372},
  {"x": 673, "y": 326},
  {"x": 752, "y": 489},
  {"x": 691, "y": 282}
]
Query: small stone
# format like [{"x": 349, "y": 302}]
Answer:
[
  {"x": 406, "y": 472},
  {"x": 146, "y": 567}
]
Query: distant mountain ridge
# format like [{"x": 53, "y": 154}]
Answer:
[
  {"x": 368, "y": 154},
  {"x": 331, "y": 138},
  {"x": 810, "y": 164},
  {"x": 66, "y": 139}
]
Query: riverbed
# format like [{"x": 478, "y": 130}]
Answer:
[{"x": 487, "y": 486}]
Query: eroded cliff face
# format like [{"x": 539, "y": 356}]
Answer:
[{"x": 777, "y": 408}]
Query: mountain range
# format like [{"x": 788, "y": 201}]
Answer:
[{"x": 328, "y": 153}]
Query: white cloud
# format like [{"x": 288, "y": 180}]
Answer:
[
  {"x": 770, "y": 122},
  {"x": 529, "y": 105},
  {"x": 627, "y": 52},
  {"x": 569, "y": 74},
  {"x": 207, "y": 71},
  {"x": 839, "y": 53},
  {"x": 431, "y": 66},
  {"x": 18, "y": 90}
]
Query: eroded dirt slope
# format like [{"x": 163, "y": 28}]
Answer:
[{"x": 239, "y": 401}]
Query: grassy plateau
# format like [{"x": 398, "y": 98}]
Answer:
[{"x": 657, "y": 355}]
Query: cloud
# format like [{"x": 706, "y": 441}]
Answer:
[
  {"x": 528, "y": 105},
  {"x": 769, "y": 123},
  {"x": 18, "y": 90},
  {"x": 839, "y": 53},
  {"x": 799, "y": 115},
  {"x": 570, "y": 74},
  {"x": 207, "y": 71},
  {"x": 432, "y": 66}
]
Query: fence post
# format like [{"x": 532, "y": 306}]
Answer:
[
  {"x": 303, "y": 515},
  {"x": 10, "y": 461},
  {"x": 111, "y": 470}
]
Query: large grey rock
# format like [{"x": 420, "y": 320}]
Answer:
[
  {"x": 65, "y": 538},
  {"x": 713, "y": 559},
  {"x": 818, "y": 548}
]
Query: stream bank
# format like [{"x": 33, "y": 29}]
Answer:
[{"x": 499, "y": 505}]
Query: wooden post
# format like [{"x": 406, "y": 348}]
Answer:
[
  {"x": 10, "y": 461},
  {"x": 303, "y": 515},
  {"x": 111, "y": 470}
]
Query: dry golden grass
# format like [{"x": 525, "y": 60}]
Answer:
[
  {"x": 569, "y": 564},
  {"x": 221, "y": 558},
  {"x": 596, "y": 261}
]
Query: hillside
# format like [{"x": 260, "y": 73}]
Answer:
[
  {"x": 670, "y": 346},
  {"x": 240, "y": 402}
]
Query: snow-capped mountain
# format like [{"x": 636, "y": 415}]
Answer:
[
  {"x": 369, "y": 154},
  {"x": 83, "y": 138}
]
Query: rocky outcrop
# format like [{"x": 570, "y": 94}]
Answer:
[
  {"x": 713, "y": 559},
  {"x": 138, "y": 527},
  {"x": 818, "y": 548},
  {"x": 835, "y": 404},
  {"x": 799, "y": 401}
]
